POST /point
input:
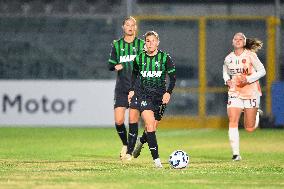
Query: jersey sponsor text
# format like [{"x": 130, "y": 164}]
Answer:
[
  {"x": 151, "y": 73},
  {"x": 127, "y": 58}
]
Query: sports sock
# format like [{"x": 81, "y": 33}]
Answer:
[
  {"x": 234, "y": 140},
  {"x": 143, "y": 138},
  {"x": 121, "y": 131},
  {"x": 153, "y": 145},
  {"x": 132, "y": 137}
]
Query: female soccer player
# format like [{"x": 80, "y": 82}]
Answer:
[
  {"x": 151, "y": 68},
  {"x": 241, "y": 71},
  {"x": 121, "y": 59}
]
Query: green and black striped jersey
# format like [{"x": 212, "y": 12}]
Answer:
[
  {"x": 124, "y": 53},
  {"x": 152, "y": 71}
]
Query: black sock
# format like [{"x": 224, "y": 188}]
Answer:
[
  {"x": 143, "y": 138},
  {"x": 132, "y": 137},
  {"x": 153, "y": 145},
  {"x": 121, "y": 131}
]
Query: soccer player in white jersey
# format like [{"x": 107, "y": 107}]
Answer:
[{"x": 241, "y": 71}]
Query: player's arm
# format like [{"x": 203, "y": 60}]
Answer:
[
  {"x": 135, "y": 72},
  {"x": 259, "y": 68},
  {"x": 226, "y": 75},
  {"x": 134, "y": 77},
  {"x": 171, "y": 71},
  {"x": 112, "y": 61},
  {"x": 113, "y": 64}
]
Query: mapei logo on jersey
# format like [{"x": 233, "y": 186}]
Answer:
[
  {"x": 151, "y": 73},
  {"x": 127, "y": 58}
]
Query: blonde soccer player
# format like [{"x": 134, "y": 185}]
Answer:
[
  {"x": 242, "y": 70},
  {"x": 150, "y": 68},
  {"x": 122, "y": 54}
]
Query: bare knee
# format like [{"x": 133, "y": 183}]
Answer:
[
  {"x": 150, "y": 128},
  {"x": 119, "y": 121},
  {"x": 134, "y": 117},
  {"x": 249, "y": 129}
]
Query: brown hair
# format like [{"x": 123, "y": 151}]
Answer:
[
  {"x": 253, "y": 44},
  {"x": 148, "y": 33}
]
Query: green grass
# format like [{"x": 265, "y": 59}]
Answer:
[{"x": 88, "y": 158}]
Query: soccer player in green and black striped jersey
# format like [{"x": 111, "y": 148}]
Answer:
[
  {"x": 151, "y": 68},
  {"x": 121, "y": 59}
]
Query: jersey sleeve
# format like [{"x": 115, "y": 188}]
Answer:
[
  {"x": 226, "y": 75},
  {"x": 171, "y": 71},
  {"x": 259, "y": 69},
  {"x": 112, "y": 61}
]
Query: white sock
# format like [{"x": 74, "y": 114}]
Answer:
[{"x": 234, "y": 140}]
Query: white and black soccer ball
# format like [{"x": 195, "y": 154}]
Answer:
[{"x": 179, "y": 159}]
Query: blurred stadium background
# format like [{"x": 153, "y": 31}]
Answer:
[{"x": 53, "y": 58}]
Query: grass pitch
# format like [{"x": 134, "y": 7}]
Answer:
[{"x": 89, "y": 158}]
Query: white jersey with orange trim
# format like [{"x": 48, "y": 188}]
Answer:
[{"x": 247, "y": 64}]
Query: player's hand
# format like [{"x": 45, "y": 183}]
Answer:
[
  {"x": 166, "y": 98},
  {"x": 229, "y": 83},
  {"x": 242, "y": 81},
  {"x": 130, "y": 95},
  {"x": 118, "y": 67}
]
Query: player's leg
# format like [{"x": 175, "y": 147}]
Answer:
[
  {"x": 149, "y": 119},
  {"x": 257, "y": 117},
  {"x": 250, "y": 119},
  {"x": 120, "y": 106},
  {"x": 252, "y": 113},
  {"x": 141, "y": 141},
  {"x": 119, "y": 117},
  {"x": 234, "y": 110},
  {"x": 158, "y": 114},
  {"x": 134, "y": 115},
  {"x": 139, "y": 144}
]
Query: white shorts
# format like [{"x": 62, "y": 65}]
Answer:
[{"x": 243, "y": 103}]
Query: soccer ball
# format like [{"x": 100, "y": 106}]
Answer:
[{"x": 179, "y": 159}]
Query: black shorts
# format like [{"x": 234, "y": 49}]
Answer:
[
  {"x": 148, "y": 103},
  {"x": 134, "y": 103},
  {"x": 121, "y": 99}
]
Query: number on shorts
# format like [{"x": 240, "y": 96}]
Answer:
[{"x": 252, "y": 102}]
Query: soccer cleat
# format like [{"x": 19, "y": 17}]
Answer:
[
  {"x": 158, "y": 163},
  {"x": 128, "y": 157},
  {"x": 236, "y": 158},
  {"x": 138, "y": 148},
  {"x": 123, "y": 152},
  {"x": 258, "y": 113}
]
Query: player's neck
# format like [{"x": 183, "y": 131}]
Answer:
[
  {"x": 239, "y": 51},
  {"x": 152, "y": 53},
  {"x": 129, "y": 38}
]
